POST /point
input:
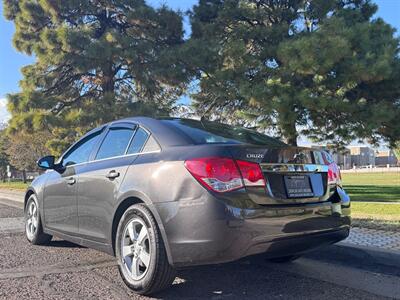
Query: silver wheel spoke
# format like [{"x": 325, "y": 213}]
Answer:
[
  {"x": 131, "y": 232},
  {"x": 135, "y": 267},
  {"x": 142, "y": 235},
  {"x": 127, "y": 251},
  {"x": 145, "y": 258}
]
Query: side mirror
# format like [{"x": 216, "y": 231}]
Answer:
[{"x": 46, "y": 162}]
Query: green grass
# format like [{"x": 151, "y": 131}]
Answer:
[
  {"x": 384, "y": 216},
  {"x": 365, "y": 188},
  {"x": 381, "y": 211},
  {"x": 372, "y": 187},
  {"x": 18, "y": 185}
]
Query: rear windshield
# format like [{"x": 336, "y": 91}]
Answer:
[{"x": 206, "y": 132}]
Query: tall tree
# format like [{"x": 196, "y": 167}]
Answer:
[
  {"x": 396, "y": 151},
  {"x": 25, "y": 149},
  {"x": 322, "y": 68},
  {"x": 96, "y": 60},
  {"x": 4, "y": 162}
]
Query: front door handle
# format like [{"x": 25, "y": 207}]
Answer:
[
  {"x": 71, "y": 180},
  {"x": 112, "y": 174}
]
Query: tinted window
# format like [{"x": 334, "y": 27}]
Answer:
[
  {"x": 206, "y": 132},
  {"x": 115, "y": 143},
  {"x": 151, "y": 145},
  {"x": 138, "y": 141},
  {"x": 81, "y": 151}
]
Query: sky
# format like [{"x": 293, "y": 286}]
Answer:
[{"x": 11, "y": 61}]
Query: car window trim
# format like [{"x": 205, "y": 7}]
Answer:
[
  {"x": 115, "y": 126},
  {"x": 136, "y": 127},
  {"x": 104, "y": 131},
  {"x": 145, "y": 142},
  {"x": 100, "y": 131},
  {"x": 119, "y": 156}
]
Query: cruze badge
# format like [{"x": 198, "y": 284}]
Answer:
[{"x": 255, "y": 155}]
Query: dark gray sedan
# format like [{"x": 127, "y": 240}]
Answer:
[{"x": 160, "y": 194}]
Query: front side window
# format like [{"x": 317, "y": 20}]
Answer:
[
  {"x": 80, "y": 153},
  {"x": 115, "y": 143},
  {"x": 138, "y": 141}
]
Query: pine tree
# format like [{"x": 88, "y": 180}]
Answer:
[
  {"x": 322, "y": 68},
  {"x": 95, "y": 61}
]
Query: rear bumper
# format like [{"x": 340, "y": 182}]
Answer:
[{"x": 206, "y": 230}]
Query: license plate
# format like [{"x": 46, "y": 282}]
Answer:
[{"x": 298, "y": 186}]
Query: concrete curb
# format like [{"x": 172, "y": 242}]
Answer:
[{"x": 379, "y": 255}]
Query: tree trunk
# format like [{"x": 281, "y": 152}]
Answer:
[
  {"x": 291, "y": 140},
  {"x": 24, "y": 176},
  {"x": 289, "y": 131}
]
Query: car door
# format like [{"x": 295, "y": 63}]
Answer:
[
  {"x": 59, "y": 197},
  {"x": 100, "y": 180}
]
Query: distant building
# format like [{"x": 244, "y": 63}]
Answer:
[
  {"x": 385, "y": 157},
  {"x": 362, "y": 156},
  {"x": 342, "y": 158}
]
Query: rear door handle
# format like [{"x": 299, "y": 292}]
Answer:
[
  {"x": 71, "y": 180},
  {"x": 112, "y": 174}
]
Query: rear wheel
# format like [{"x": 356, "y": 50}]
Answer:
[
  {"x": 284, "y": 259},
  {"x": 140, "y": 251},
  {"x": 33, "y": 224}
]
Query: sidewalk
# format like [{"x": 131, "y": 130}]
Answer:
[
  {"x": 359, "y": 237},
  {"x": 388, "y": 240}
]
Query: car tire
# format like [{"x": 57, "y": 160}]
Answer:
[
  {"x": 284, "y": 259},
  {"x": 142, "y": 258},
  {"x": 33, "y": 223}
]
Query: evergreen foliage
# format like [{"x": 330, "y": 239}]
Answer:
[
  {"x": 96, "y": 61},
  {"x": 323, "y": 68}
]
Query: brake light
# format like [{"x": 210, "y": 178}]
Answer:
[
  {"x": 222, "y": 174},
  {"x": 215, "y": 173},
  {"x": 334, "y": 175},
  {"x": 251, "y": 173}
]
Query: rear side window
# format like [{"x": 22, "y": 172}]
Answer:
[
  {"x": 138, "y": 141},
  {"x": 115, "y": 143}
]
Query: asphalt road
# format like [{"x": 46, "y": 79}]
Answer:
[{"x": 63, "y": 270}]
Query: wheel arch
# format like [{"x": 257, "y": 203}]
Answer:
[
  {"x": 128, "y": 200},
  {"x": 30, "y": 191}
]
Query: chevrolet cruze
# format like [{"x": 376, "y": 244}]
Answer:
[{"x": 165, "y": 193}]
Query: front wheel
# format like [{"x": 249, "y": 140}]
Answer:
[
  {"x": 33, "y": 224},
  {"x": 140, "y": 251}
]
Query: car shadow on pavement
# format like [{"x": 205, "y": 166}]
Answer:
[
  {"x": 253, "y": 277},
  {"x": 62, "y": 244}
]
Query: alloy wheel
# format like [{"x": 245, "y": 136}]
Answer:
[
  {"x": 135, "y": 249},
  {"x": 32, "y": 219}
]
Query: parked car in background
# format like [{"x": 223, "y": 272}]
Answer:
[{"x": 165, "y": 193}]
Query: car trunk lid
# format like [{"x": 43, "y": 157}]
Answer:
[{"x": 293, "y": 174}]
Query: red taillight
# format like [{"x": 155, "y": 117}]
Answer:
[
  {"x": 334, "y": 174},
  {"x": 221, "y": 174},
  {"x": 217, "y": 174},
  {"x": 251, "y": 173}
]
